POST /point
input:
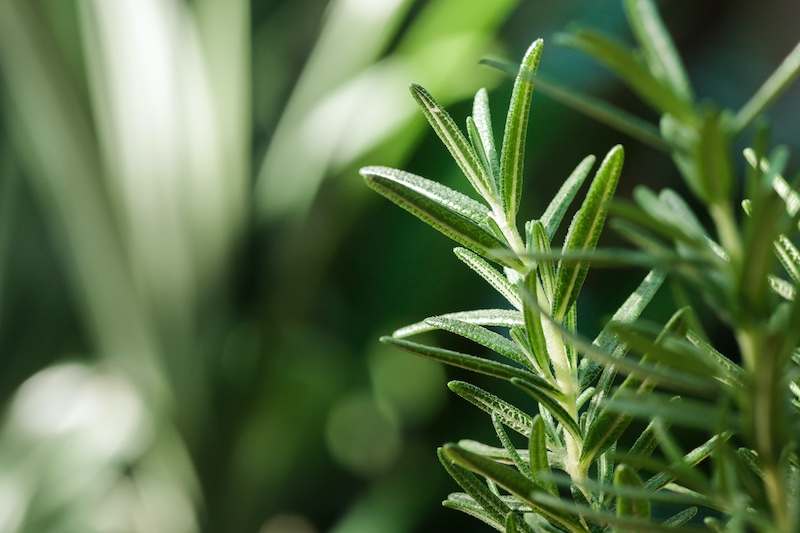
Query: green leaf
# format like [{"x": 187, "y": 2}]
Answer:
[
  {"x": 509, "y": 415},
  {"x": 782, "y": 288},
  {"x": 490, "y": 274},
  {"x": 671, "y": 350},
  {"x": 537, "y": 451},
  {"x": 592, "y": 107},
  {"x": 459, "y": 217},
  {"x": 679, "y": 519},
  {"x": 511, "y": 523},
  {"x": 604, "y": 112},
  {"x": 585, "y": 231},
  {"x": 731, "y": 373},
  {"x": 454, "y": 140},
  {"x": 659, "y": 50},
  {"x": 717, "y": 526},
  {"x": 629, "y": 311},
  {"x": 629, "y": 66},
  {"x": 714, "y": 156},
  {"x": 665, "y": 377},
  {"x": 549, "y": 401},
  {"x": 490, "y": 339},
  {"x": 647, "y": 441},
  {"x": 751, "y": 459},
  {"x": 789, "y": 257},
  {"x": 482, "y": 317},
  {"x": 688, "y": 461},
  {"x": 492, "y": 505},
  {"x": 689, "y": 413},
  {"x": 558, "y": 206},
  {"x": 603, "y": 517},
  {"x": 469, "y": 362},
  {"x": 509, "y": 446},
  {"x": 483, "y": 121},
  {"x": 769, "y": 92},
  {"x": 515, "y": 483},
  {"x": 537, "y": 343},
  {"x": 492, "y": 452},
  {"x": 625, "y": 476},
  {"x": 672, "y": 217},
  {"x": 541, "y": 244},
  {"x": 512, "y": 154},
  {"x": 460, "y": 501},
  {"x": 606, "y": 428}
]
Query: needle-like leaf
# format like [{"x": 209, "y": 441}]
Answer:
[
  {"x": 659, "y": 50},
  {"x": 470, "y": 362},
  {"x": 491, "y": 504},
  {"x": 514, "y": 482},
  {"x": 552, "y": 216},
  {"x": 490, "y": 274},
  {"x": 459, "y": 217},
  {"x": 625, "y": 476},
  {"x": 458, "y": 146},
  {"x": 549, "y": 401},
  {"x": 512, "y": 154},
  {"x": 483, "y": 121},
  {"x": 605, "y": 429},
  {"x": 482, "y": 317},
  {"x": 585, "y": 231},
  {"x": 537, "y": 451},
  {"x": 509, "y": 415},
  {"x": 485, "y": 337},
  {"x": 629, "y": 66},
  {"x": 521, "y": 465}
]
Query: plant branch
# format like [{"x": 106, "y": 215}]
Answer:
[{"x": 770, "y": 91}]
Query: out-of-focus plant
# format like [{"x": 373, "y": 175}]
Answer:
[
  {"x": 574, "y": 475},
  {"x": 152, "y": 395}
]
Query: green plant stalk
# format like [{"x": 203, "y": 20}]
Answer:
[
  {"x": 728, "y": 231},
  {"x": 762, "y": 404},
  {"x": 566, "y": 377}
]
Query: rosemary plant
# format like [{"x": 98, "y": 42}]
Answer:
[{"x": 574, "y": 476}]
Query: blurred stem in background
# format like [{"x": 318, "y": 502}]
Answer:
[{"x": 168, "y": 401}]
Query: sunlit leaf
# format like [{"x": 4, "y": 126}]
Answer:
[
  {"x": 459, "y": 217},
  {"x": 485, "y": 337},
  {"x": 509, "y": 415},
  {"x": 522, "y": 466},
  {"x": 537, "y": 449},
  {"x": 585, "y": 231},
  {"x": 482, "y": 317},
  {"x": 499, "y": 282},
  {"x": 512, "y": 481},
  {"x": 512, "y": 154},
  {"x": 453, "y": 139},
  {"x": 494, "y": 508},
  {"x": 470, "y": 362},
  {"x": 551, "y": 219},
  {"x": 548, "y": 400},
  {"x": 483, "y": 121}
]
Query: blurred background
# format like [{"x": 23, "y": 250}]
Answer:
[{"x": 193, "y": 277}]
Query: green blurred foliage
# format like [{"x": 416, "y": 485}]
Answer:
[{"x": 193, "y": 277}]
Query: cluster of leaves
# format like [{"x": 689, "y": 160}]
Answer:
[{"x": 573, "y": 476}]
